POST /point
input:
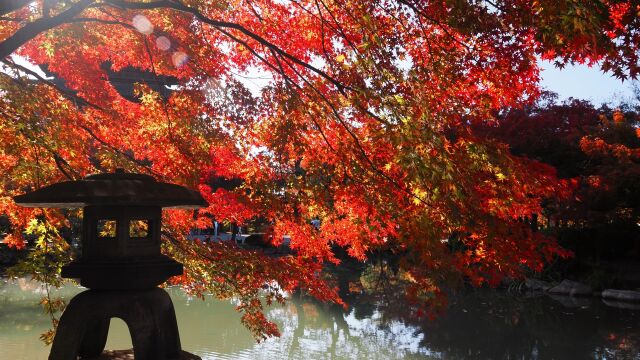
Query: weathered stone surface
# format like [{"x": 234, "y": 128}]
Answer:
[
  {"x": 131, "y": 273},
  {"x": 149, "y": 315},
  {"x": 622, "y": 304},
  {"x": 113, "y": 189},
  {"x": 509, "y": 282},
  {"x": 622, "y": 295},
  {"x": 537, "y": 285},
  {"x": 128, "y": 355},
  {"x": 572, "y": 302},
  {"x": 572, "y": 288}
]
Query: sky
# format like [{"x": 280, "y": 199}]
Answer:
[
  {"x": 579, "y": 81},
  {"x": 585, "y": 83}
]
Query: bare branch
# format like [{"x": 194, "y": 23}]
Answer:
[
  {"x": 82, "y": 102},
  {"x": 33, "y": 29},
  {"x": 176, "y": 5},
  {"x": 8, "y": 6}
]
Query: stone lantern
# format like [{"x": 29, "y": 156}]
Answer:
[{"x": 121, "y": 263}]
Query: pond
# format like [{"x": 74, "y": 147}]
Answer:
[{"x": 481, "y": 324}]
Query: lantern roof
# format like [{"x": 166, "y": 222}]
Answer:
[{"x": 113, "y": 189}]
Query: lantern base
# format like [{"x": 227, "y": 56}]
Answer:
[
  {"x": 149, "y": 315},
  {"x": 123, "y": 273},
  {"x": 128, "y": 354}
]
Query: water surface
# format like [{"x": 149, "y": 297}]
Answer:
[{"x": 482, "y": 324}]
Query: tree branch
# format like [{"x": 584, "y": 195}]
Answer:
[
  {"x": 8, "y": 6},
  {"x": 176, "y": 5},
  {"x": 33, "y": 29},
  {"x": 70, "y": 95}
]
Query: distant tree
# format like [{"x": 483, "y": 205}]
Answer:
[
  {"x": 363, "y": 124},
  {"x": 598, "y": 151}
]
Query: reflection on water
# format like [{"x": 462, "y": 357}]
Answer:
[
  {"x": 492, "y": 325},
  {"x": 479, "y": 325}
]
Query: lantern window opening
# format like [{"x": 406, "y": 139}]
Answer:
[
  {"x": 139, "y": 228},
  {"x": 107, "y": 228}
]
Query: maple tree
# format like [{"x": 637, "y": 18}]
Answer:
[
  {"x": 597, "y": 150},
  {"x": 363, "y": 124}
]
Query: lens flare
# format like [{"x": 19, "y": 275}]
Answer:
[
  {"x": 179, "y": 58},
  {"x": 142, "y": 24},
  {"x": 163, "y": 43}
]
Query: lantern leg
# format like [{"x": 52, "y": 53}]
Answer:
[
  {"x": 95, "y": 338},
  {"x": 71, "y": 330},
  {"x": 149, "y": 314},
  {"x": 154, "y": 329}
]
